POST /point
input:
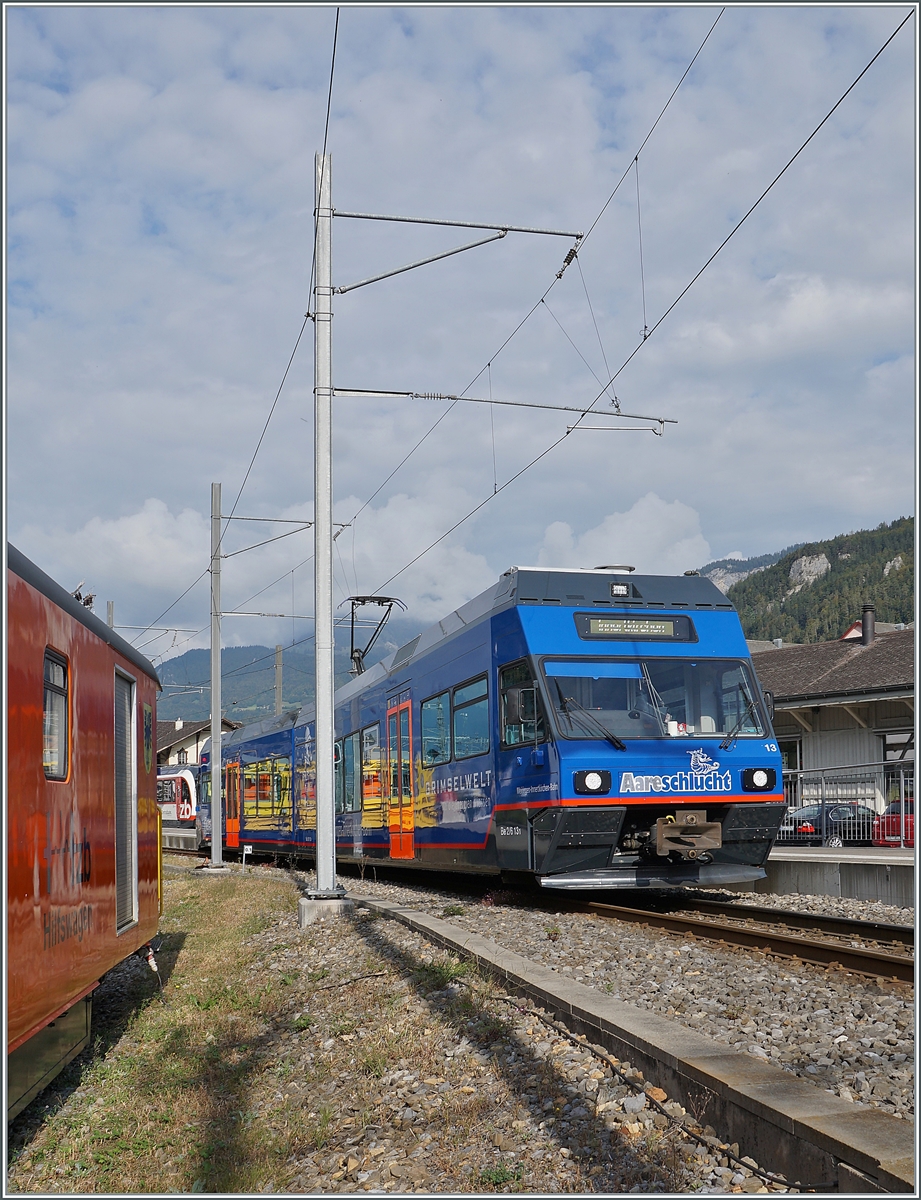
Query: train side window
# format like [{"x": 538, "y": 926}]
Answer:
[
  {"x": 371, "y": 766},
  {"x": 517, "y": 701},
  {"x": 471, "y": 719},
  {"x": 436, "y": 730},
  {"x": 340, "y": 776},
  {"x": 351, "y": 761},
  {"x": 54, "y": 716}
]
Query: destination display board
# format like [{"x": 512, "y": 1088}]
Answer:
[{"x": 635, "y": 628}]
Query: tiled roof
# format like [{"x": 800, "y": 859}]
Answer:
[
  {"x": 841, "y": 668},
  {"x": 168, "y": 735}
]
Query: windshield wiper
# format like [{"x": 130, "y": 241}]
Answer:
[
  {"x": 736, "y": 729},
  {"x": 655, "y": 700},
  {"x": 590, "y": 724}
]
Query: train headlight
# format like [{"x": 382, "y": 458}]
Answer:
[
  {"x": 759, "y": 779},
  {"x": 592, "y": 783}
]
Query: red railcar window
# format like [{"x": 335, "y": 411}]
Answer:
[{"x": 54, "y": 717}]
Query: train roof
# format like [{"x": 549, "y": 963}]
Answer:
[
  {"x": 556, "y": 586},
  {"x": 35, "y": 577},
  {"x": 571, "y": 587}
]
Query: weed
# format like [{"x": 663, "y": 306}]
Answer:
[
  {"x": 304, "y": 1021},
  {"x": 440, "y": 974},
  {"x": 493, "y": 1029},
  {"x": 553, "y": 932},
  {"x": 316, "y": 976},
  {"x": 501, "y": 1174},
  {"x": 453, "y": 910},
  {"x": 343, "y": 1026},
  {"x": 374, "y": 1063},
  {"x": 320, "y": 1133}
]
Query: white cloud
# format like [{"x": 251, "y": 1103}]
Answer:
[
  {"x": 655, "y": 537},
  {"x": 159, "y": 182},
  {"x": 152, "y": 549}
]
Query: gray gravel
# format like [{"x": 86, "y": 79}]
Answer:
[
  {"x": 850, "y": 1035},
  {"x": 548, "y": 1113}
]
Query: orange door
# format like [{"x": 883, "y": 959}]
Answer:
[
  {"x": 232, "y": 800},
  {"x": 400, "y": 779}
]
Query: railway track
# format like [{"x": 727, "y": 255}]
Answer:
[
  {"x": 880, "y": 931},
  {"x": 770, "y": 930},
  {"x": 789, "y": 935}
]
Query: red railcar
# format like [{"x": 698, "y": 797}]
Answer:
[{"x": 83, "y": 845}]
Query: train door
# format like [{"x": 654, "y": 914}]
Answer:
[
  {"x": 400, "y": 776},
  {"x": 232, "y": 801}
]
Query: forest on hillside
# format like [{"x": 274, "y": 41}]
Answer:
[{"x": 870, "y": 566}]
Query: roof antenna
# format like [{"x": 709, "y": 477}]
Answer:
[{"x": 357, "y": 655}]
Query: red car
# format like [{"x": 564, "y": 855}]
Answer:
[{"x": 887, "y": 829}]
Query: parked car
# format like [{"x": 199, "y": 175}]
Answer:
[
  {"x": 845, "y": 823},
  {"x": 887, "y": 829}
]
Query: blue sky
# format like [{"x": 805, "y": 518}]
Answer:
[{"x": 159, "y": 171}]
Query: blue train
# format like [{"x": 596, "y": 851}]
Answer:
[{"x": 592, "y": 729}]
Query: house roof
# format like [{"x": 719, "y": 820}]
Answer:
[
  {"x": 840, "y": 669},
  {"x": 855, "y": 629},
  {"x": 168, "y": 735}
]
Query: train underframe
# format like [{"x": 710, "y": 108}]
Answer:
[{"x": 594, "y": 847}]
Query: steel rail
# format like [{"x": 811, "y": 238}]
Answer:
[
  {"x": 816, "y": 923},
  {"x": 787, "y": 945}
]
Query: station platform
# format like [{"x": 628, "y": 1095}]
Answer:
[
  {"x": 856, "y": 873},
  {"x": 180, "y": 839}
]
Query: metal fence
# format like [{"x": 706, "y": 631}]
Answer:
[{"x": 865, "y": 804}]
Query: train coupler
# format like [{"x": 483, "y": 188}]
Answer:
[{"x": 688, "y": 834}]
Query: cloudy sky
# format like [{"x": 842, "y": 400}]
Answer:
[{"x": 159, "y": 178}]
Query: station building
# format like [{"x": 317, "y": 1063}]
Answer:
[{"x": 845, "y": 704}]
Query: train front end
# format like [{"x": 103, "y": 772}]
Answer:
[{"x": 637, "y": 743}]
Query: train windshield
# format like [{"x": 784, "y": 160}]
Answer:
[{"x": 653, "y": 697}]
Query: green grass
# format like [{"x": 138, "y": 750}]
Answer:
[
  {"x": 501, "y": 1174},
  {"x": 177, "y": 1071},
  {"x": 437, "y": 975}
]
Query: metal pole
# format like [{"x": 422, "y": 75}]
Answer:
[
  {"x": 216, "y": 822},
  {"x": 110, "y": 613},
  {"x": 278, "y": 681},
  {"x": 902, "y": 807},
  {"x": 323, "y": 535}
]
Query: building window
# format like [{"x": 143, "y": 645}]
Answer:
[
  {"x": 899, "y": 747},
  {"x": 182, "y": 757},
  {"x": 791, "y": 754},
  {"x": 54, "y": 717}
]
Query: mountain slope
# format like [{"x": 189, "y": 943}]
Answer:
[
  {"x": 724, "y": 572},
  {"x": 815, "y": 591}
]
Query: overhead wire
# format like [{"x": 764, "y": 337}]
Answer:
[
  {"x": 639, "y": 225},
  {"x": 655, "y": 123},
  {"x": 744, "y": 218},
  {"x": 591, "y": 309},
  {"x": 524, "y": 320},
  {"x": 571, "y": 342},
  {"x": 670, "y": 308},
  {"x": 329, "y": 101},
  {"x": 514, "y": 332}
]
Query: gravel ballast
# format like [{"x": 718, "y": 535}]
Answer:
[{"x": 848, "y": 1034}]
